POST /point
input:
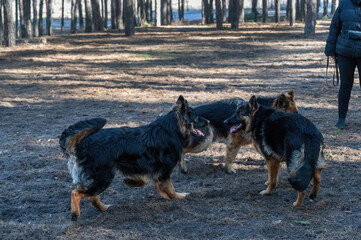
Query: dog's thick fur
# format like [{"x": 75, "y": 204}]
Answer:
[
  {"x": 219, "y": 111},
  {"x": 288, "y": 137},
  {"x": 147, "y": 152}
]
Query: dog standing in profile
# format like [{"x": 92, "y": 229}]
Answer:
[
  {"x": 142, "y": 153},
  {"x": 288, "y": 137},
  {"x": 219, "y": 111}
]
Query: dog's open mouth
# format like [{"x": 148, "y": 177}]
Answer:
[
  {"x": 197, "y": 132},
  {"x": 235, "y": 128}
]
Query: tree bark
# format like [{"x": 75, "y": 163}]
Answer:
[
  {"x": 204, "y": 12},
  {"x": 97, "y": 18},
  {"x": 9, "y": 27},
  {"x": 318, "y": 7},
  {"x": 311, "y": 16},
  {"x": 235, "y": 14},
  {"x": 73, "y": 25},
  {"x": 219, "y": 16},
  {"x": 292, "y": 12},
  {"x": 325, "y": 7},
  {"x": 303, "y": 10},
  {"x": 41, "y": 8},
  {"x": 231, "y": 7},
  {"x": 120, "y": 14},
  {"x": 88, "y": 16},
  {"x": 1, "y": 23},
  {"x": 254, "y": 9},
  {"x": 298, "y": 10},
  {"x": 210, "y": 12},
  {"x": 334, "y": 6},
  {"x": 17, "y": 18},
  {"x": 157, "y": 13},
  {"x": 264, "y": 11},
  {"x": 129, "y": 18},
  {"x": 105, "y": 14},
  {"x": 81, "y": 19},
  {"x": 35, "y": 18},
  {"x": 277, "y": 11},
  {"x": 224, "y": 10},
  {"x": 49, "y": 9},
  {"x": 62, "y": 15},
  {"x": 27, "y": 19},
  {"x": 113, "y": 22},
  {"x": 141, "y": 13},
  {"x": 241, "y": 11}
]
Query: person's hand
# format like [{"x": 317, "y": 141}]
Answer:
[{"x": 333, "y": 57}]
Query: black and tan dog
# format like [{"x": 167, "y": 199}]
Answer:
[
  {"x": 219, "y": 111},
  {"x": 288, "y": 137},
  {"x": 147, "y": 152}
]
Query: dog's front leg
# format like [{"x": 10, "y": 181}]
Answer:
[
  {"x": 273, "y": 166},
  {"x": 165, "y": 189}
]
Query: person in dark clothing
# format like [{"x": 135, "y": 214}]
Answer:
[{"x": 344, "y": 43}]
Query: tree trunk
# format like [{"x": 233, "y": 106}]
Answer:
[
  {"x": 35, "y": 19},
  {"x": 113, "y": 23},
  {"x": 264, "y": 11},
  {"x": 254, "y": 9},
  {"x": 1, "y": 23},
  {"x": 241, "y": 11},
  {"x": 22, "y": 22},
  {"x": 277, "y": 11},
  {"x": 298, "y": 10},
  {"x": 157, "y": 13},
  {"x": 292, "y": 12},
  {"x": 181, "y": 10},
  {"x": 128, "y": 17},
  {"x": 224, "y": 10},
  {"x": 211, "y": 11},
  {"x": 88, "y": 16},
  {"x": 41, "y": 8},
  {"x": 318, "y": 7},
  {"x": 303, "y": 10},
  {"x": 27, "y": 19},
  {"x": 164, "y": 12},
  {"x": 231, "y": 7},
  {"x": 325, "y": 7},
  {"x": 119, "y": 14},
  {"x": 97, "y": 18},
  {"x": 219, "y": 17},
  {"x": 73, "y": 25},
  {"x": 203, "y": 11},
  {"x": 9, "y": 27},
  {"x": 105, "y": 14},
  {"x": 62, "y": 15},
  {"x": 49, "y": 9},
  {"x": 81, "y": 19},
  {"x": 169, "y": 12},
  {"x": 17, "y": 18},
  {"x": 310, "y": 24},
  {"x": 141, "y": 13},
  {"x": 235, "y": 14},
  {"x": 334, "y": 6}
]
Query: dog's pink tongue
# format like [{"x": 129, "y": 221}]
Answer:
[
  {"x": 234, "y": 128},
  {"x": 198, "y": 132}
]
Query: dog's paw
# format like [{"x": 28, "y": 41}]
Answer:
[
  {"x": 230, "y": 170},
  {"x": 297, "y": 204},
  {"x": 181, "y": 195},
  {"x": 266, "y": 183},
  {"x": 312, "y": 196},
  {"x": 265, "y": 192}
]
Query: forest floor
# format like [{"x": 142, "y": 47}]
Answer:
[{"x": 46, "y": 87}]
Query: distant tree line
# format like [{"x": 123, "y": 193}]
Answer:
[{"x": 28, "y": 20}]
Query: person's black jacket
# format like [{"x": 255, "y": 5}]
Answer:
[{"x": 347, "y": 17}]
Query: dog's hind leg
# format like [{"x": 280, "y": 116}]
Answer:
[
  {"x": 76, "y": 196},
  {"x": 316, "y": 184},
  {"x": 95, "y": 200},
  {"x": 165, "y": 189},
  {"x": 300, "y": 197},
  {"x": 135, "y": 181},
  {"x": 183, "y": 165},
  {"x": 273, "y": 166}
]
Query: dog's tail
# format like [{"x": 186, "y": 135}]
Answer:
[
  {"x": 77, "y": 132},
  {"x": 305, "y": 167}
]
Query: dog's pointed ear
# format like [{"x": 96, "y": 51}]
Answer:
[
  {"x": 252, "y": 103},
  {"x": 281, "y": 102},
  {"x": 292, "y": 95},
  {"x": 181, "y": 104}
]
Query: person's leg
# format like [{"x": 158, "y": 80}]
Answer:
[{"x": 347, "y": 71}]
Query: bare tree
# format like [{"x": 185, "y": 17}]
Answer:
[
  {"x": 141, "y": 12},
  {"x": 181, "y": 10},
  {"x": 16, "y": 18},
  {"x": 157, "y": 13},
  {"x": 1, "y": 23},
  {"x": 41, "y": 8},
  {"x": 105, "y": 13},
  {"x": 254, "y": 9},
  {"x": 219, "y": 16},
  {"x": 62, "y": 15},
  {"x": 318, "y": 7},
  {"x": 311, "y": 16},
  {"x": 9, "y": 27},
  {"x": 264, "y": 10},
  {"x": 97, "y": 18},
  {"x": 241, "y": 11},
  {"x": 119, "y": 13},
  {"x": 81, "y": 19},
  {"x": 129, "y": 18},
  {"x": 73, "y": 25},
  {"x": 334, "y": 6},
  {"x": 35, "y": 18},
  {"x": 88, "y": 16},
  {"x": 277, "y": 11},
  {"x": 49, "y": 9},
  {"x": 325, "y": 7},
  {"x": 27, "y": 19},
  {"x": 292, "y": 12},
  {"x": 224, "y": 10}
]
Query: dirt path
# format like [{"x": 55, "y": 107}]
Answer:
[{"x": 131, "y": 81}]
